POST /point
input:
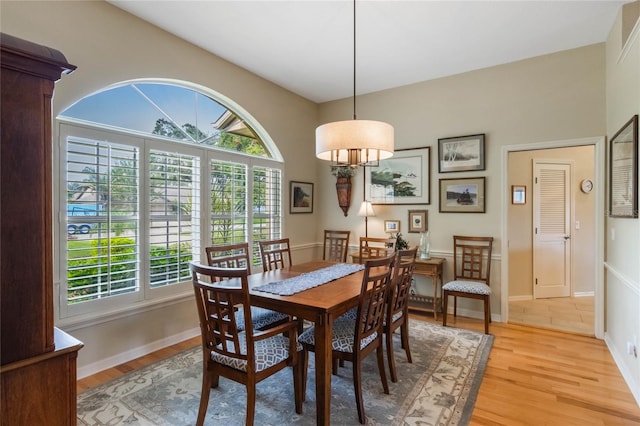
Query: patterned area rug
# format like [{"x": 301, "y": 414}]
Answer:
[{"x": 438, "y": 388}]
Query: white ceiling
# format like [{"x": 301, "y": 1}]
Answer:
[{"x": 307, "y": 46}]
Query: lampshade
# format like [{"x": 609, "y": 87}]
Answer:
[
  {"x": 354, "y": 142},
  {"x": 366, "y": 210}
]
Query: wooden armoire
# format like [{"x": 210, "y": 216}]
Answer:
[{"x": 37, "y": 360}]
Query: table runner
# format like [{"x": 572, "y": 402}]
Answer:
[{"x": 311, "y": 279}]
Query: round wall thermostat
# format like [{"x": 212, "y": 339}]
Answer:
[{"x": 586, "y": 186}]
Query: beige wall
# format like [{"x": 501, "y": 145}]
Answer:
[
  {"x": 520, "y": 219},
  {"x": 622, "y": 256}
]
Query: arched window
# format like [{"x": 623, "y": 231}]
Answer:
[{"x": 152, "y": 173}]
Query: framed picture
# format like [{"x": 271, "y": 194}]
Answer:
[
  {"x": 623, "y": 171},
  {"x": 418, "y": 221},
  {"x": 462, "y": 195},
  {"x": 300, "y": 197},
  {"x": 401, "y": 179},
  {"x": 462, "y": 153},
  {"x": 392, "y": 226},
  {"x": 518, "y": 194}
]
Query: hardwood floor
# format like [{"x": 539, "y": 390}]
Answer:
[
  {"x": 533, "y": 377},
  {"x": 572, "y": 314}
]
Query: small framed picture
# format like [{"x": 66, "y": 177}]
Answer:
[
  {"x": 462, "y": 153},
  {"x": 300, "y": 197},
  {"x": 392, "y": 226},
  {"x": 518, "y": 194},
  {"x": 462, "y": 195},
  {"x": 418, "y": 221}
]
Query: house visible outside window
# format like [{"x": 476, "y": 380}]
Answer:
[{"x": 136, "y": 208}]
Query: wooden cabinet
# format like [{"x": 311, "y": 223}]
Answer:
[{"x": 37, "y": 362}]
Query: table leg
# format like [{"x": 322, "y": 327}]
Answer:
[
  {"x": 323, "y": 333},
  {"x": 434, "y": 279}
]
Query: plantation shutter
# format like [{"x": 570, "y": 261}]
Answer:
[
  {"x": 174, "y": 225},
  {"x": 228, "y": 183}
]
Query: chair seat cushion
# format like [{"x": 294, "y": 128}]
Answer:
[
  {"x": 466, "y": 286},
  {"x": 261, "y": 317},
  {"x": 343, "y": 335},
  {"x": 268, "y": 352}
]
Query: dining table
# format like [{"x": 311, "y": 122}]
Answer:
[{"x": 321, "y": 305}]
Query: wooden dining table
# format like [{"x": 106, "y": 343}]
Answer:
[{"x": 321, "y": 304}]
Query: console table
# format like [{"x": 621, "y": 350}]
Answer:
[{"x": 432, "y": 268}]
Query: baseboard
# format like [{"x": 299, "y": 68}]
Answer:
[
  {"x": 634, "y": 385},
  {"x": 474, "y": 314},
  {"x": 134, "y": 353},
  {"x": 584, "y": 294},
  {"x": 520, "y": 298}
]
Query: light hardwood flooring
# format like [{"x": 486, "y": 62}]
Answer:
[
  {"x": 572, "y": 314},
  {"x": 533, "y": 377}
]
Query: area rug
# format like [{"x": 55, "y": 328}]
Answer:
[{"x": 438, "y": 388}]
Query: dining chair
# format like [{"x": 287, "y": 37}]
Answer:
[
  {"x": 275, "y": 254},
  {"x": 372, "y": 248},
  {"x": 354, "y": 339},
  {"x": 336, "y": 245},
  {"x": 472, "y": 274},
  {"x": 245, "y": 356},
  {"x": 397, "y": 315},
  {"x": 236, "y": 255}
]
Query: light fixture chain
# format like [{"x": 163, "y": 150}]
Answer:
[{"x": 354, "y": 59}]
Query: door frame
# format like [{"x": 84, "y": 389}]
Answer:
[{"x": 599, "y": 206}]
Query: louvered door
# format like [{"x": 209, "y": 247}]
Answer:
[{"x": 551, "y": 229}]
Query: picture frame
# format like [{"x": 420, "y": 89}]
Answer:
[
  {"x": 623, "y": 171},
  {"x": 418, "y": 221},
  {"x": 461, "y": 153},
  {"x": 465, "y": 195},
  {"x": 300, "y": 197},
  {"x": 518, "y": 194},
  {"x": 404, "y": 178},
  {"x": 392, "y": 226}
]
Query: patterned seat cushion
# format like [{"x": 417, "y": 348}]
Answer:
[
  {"x": 465, "y": 286},
  {"x": 343, "y": 335},
  {"x": 351, "y": 314},
  {"x": 268, "y": 352},
  {"x": 261, "y": 317}
]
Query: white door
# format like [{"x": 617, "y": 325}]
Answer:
[{"x": 551, "y": 229}]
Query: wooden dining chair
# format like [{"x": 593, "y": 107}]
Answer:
[
  {"x": 275, "y": 254},
  {"x": 397, "y": 315},
  {"x": 236, "y": 255},
  {"x": 336, "y": 245},
  {"x": 354, "y": 339},
  {"x": 372, "y": 248},
  {"x": 472, "y": 275},
  {"x": 245, "y": 356}
]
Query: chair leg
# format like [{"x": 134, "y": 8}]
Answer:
[
  {"x": 392, "y": 361},
  {"x": 487, "y": 315},
  {"x": 251, "y": 402},
  {"x": 297, "y": 385},
  {"x": 204, "y": 398},
  {"x": 404, "y": 336},
  {"x": 445, "y": 302},
  {"x": 383, "y": 373},
  {"x": 357, "y": 387},
  {"x": 455, "y": 306},
  {"x": 304, "y": 361}
]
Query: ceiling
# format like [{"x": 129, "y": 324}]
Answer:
[{"x": 307, "y": 46}]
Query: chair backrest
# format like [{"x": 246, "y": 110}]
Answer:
[
  {"x": 401, "y": 286},
  {"x": 376, "y": 282},
  {"x": 472, "y": 258},
  {"x": 336, "y": 245},
  {"x": 275, "y": 254},
  {"x": 216, "y": 304},
  {"x": 373, "y": 248},
  {"x": 229, "y": 256}
]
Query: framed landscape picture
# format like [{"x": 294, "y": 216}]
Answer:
[
  {"x": 462, "y": 195},
  {"x": 462, "y": 153},
  {"x": 401, "y": 179},
  {"x": 300, "y": 197},
  {"x": 623, "y": 170}
]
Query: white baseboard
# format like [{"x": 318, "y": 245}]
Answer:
[
  {"x": 134, "y": 353},
  {"x": 520, "y": 298},
  {"x": 632, "y": 382},
  {"x": 584, "y": 294},
  {"x": 474, "y": 314}
]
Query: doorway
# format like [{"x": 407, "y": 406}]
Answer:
[{"x": 585, "y": 299}]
